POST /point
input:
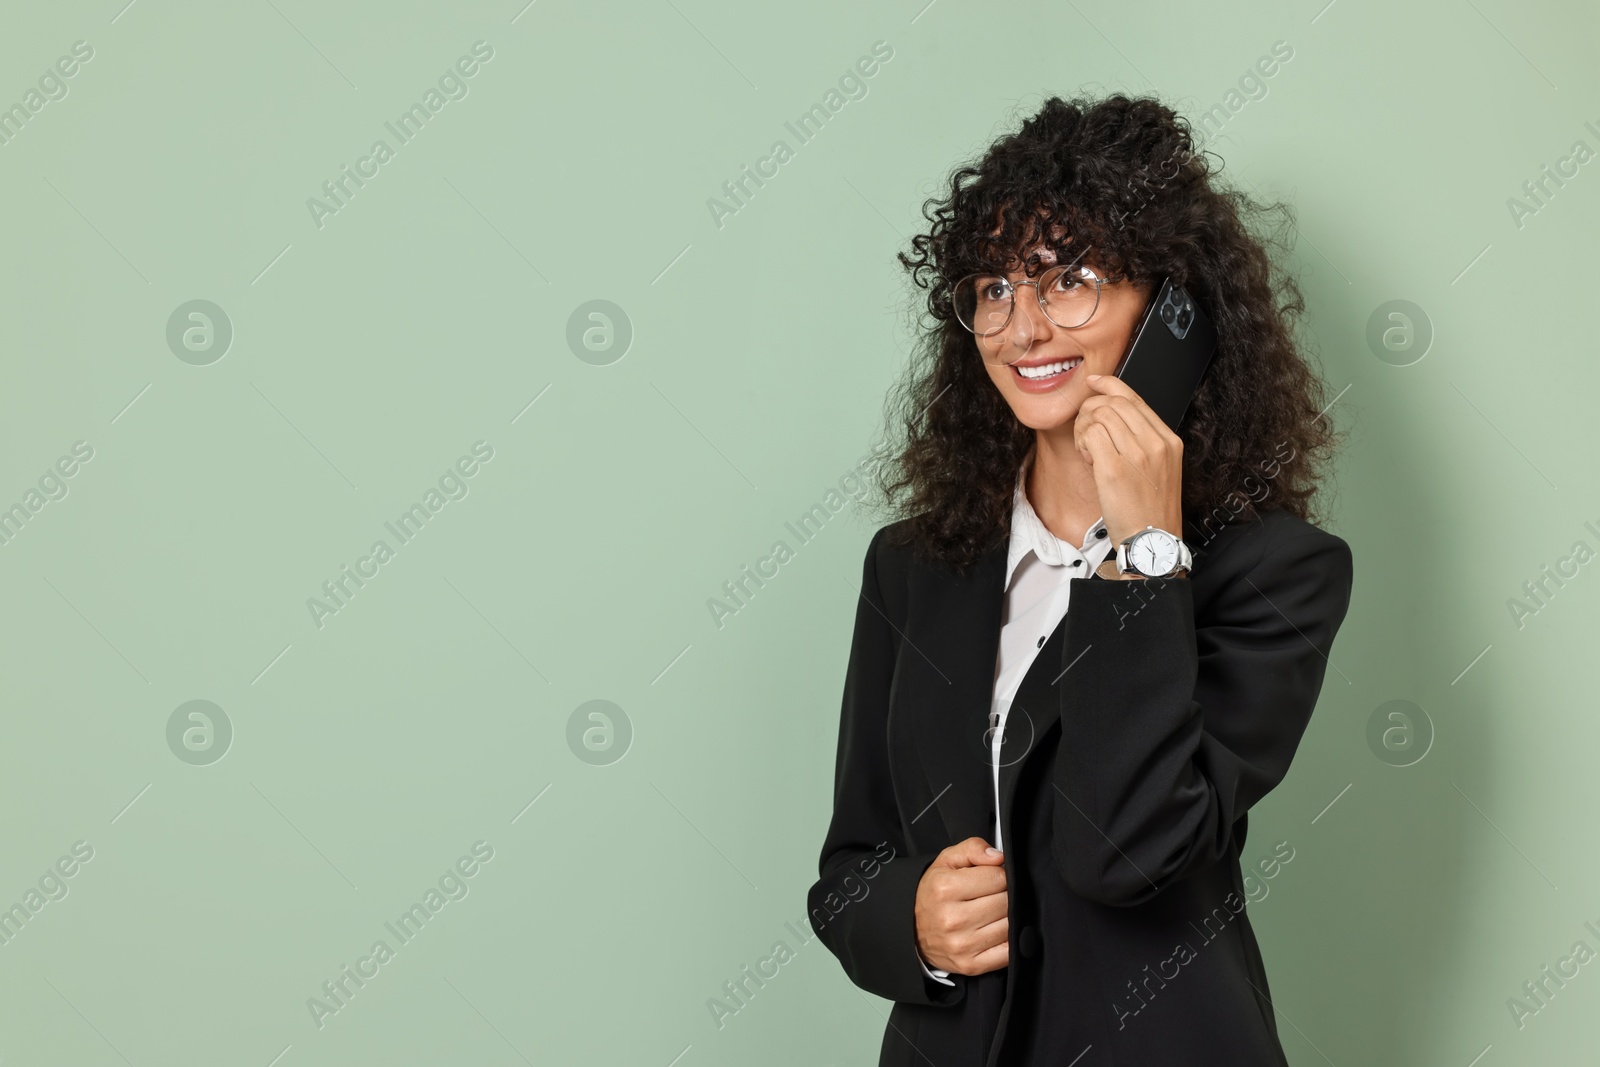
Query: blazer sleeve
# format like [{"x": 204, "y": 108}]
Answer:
[
  {"x": 1170, "y": 732},
  {"x": 863, "y": 905}
]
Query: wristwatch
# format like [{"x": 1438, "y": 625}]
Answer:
[{"x": 1150, "y": 553}]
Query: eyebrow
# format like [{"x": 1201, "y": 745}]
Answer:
[{"x": 1076, "y": 260}]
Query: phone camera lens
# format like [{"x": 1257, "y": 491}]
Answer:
[
  {"x": 1168, "y": 313},
  {"x": 1185, "y": 318}
]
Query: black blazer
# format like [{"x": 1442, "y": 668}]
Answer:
[{"x": 1151, "y": 720}]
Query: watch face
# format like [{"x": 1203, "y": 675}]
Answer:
[{"x": 1153, "y": 552}]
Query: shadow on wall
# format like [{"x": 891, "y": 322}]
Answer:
[{"x": 1393, "y": 857}]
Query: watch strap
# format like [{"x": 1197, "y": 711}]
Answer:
[{"x": 1108, "y": 569}]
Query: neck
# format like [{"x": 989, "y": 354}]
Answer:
[{"x": 1060, "y": 486}]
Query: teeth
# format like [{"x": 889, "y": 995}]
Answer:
[{"x": 1047, "y": 369}]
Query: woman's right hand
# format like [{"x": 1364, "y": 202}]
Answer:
[{"x": 962, "y": 911}]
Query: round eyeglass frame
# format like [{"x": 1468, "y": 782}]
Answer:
[{"x": 1038, "y": 291}]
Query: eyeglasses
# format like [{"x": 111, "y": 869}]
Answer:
[{"x": 1068, "y": 295}]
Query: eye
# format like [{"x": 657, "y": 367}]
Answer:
[
  {"x": 1068, "y": 280},
  {"x": 992, "y": 290}
]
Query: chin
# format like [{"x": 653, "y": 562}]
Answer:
[{"x": 1043, "y": 413}]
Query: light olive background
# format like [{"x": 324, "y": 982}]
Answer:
[{"x": 367, "y": 755}]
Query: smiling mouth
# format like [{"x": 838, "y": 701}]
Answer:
[{"x": 1047, "y": 370}]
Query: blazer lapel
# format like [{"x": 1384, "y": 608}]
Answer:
[
  {"x": 948, "y": 684},
  {"x": 1035, "y": 711}
]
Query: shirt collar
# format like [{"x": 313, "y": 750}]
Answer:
[{"x": 1030, "y": 534}]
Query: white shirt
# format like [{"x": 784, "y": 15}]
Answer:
[{"x": 1038, "y": 584}]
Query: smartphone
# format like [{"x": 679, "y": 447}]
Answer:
[{"x": 1169, "y": 352}]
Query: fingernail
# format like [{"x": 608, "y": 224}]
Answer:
[
  {"x": 991, "y": 850},
  {"x": 1094, "y": 377}
]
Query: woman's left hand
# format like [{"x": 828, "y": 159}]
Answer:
[{"x": 1136, "y": 459}]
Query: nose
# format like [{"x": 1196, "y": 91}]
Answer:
[{"x": 1028, "y": 322}]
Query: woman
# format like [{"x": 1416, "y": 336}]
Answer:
[{"x": 1113, "y": 750}]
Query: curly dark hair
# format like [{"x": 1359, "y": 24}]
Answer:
[{"x": 1119, "y": 175}]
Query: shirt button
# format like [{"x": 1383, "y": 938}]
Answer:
[
  {"x": 1077, "y": 563},
  {"x": 1100, "y": 532},
  {"x": 1041, "y": 641}
]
